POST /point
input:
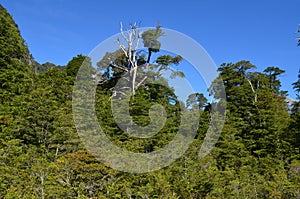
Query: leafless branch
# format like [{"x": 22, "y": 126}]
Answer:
[
  {"x": 138, "y": 41},
  {"x": 119, "y": 67},
  {"x": 132, "y": 38},
  {"x": 141, "y": 82},
  {"x": 253, "y": 90},
  {"x": 122, "y": 47},
  {"x": 122, "y": 33}
]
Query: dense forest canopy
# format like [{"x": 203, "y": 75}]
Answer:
[{"x": 42, "y": 156}]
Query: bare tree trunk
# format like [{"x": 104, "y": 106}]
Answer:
[
  {"x": 252, "y": 88},
  {"x": 133, "y": 80},
  {"x": 132, "y": 39}
]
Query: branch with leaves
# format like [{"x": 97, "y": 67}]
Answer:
[{"x": 134, "y": 64}]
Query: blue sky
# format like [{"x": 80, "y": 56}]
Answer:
[{"x": 262, "y": 31}]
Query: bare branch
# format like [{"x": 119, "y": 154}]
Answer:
[
  {"x": 250, "y": 85},
  {"x": 122, "y": 33},
  {"x": 138, "y": 41},
  {"x": 252, "y": 88},
  {"x": 114, "y": 94},
  {"x": 141, "y": 82},
  {"x": 133, "y": 29},
  {"x": 132, "y": 38},
  {"x": 119, "y": 67},
  {"x": 122, "y": 47}
]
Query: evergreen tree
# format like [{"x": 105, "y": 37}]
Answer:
[{"x": 41, "y": 156}]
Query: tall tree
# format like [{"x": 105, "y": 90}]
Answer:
[{"x": 128, "y": 62}]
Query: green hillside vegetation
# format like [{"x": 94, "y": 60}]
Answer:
[{"x": 41, "y": 155}]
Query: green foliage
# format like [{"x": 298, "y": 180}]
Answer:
[
  {"x": 150, "y": 39},
  {"x": 73, "y": 66},
  {"x": 41, "y": 68},
  {"x": 295, "y": 125},
  {"x": 41, "y": 156},
  {"x": 296, "y": 86},
  {"x": 12, "y": 45},
  {"x": 272, "y": 74}
]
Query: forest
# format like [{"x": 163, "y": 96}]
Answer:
[{"x": 42, "y": 155}]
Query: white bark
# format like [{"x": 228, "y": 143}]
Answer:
[
  {"x": 132, "y": 38},
  {"x": 253, "y": 90}
]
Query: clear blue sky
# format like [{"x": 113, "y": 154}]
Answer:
[{"x": 262, "y": 31}]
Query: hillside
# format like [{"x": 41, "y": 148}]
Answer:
[{"x": 42, "y": 155}]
